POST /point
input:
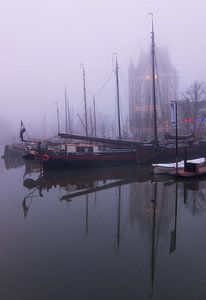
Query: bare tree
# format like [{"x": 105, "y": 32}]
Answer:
[{"x": 193, "y": 107}]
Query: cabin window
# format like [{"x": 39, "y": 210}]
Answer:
[
  {"x": 84, "y": 149},
  {"x": 71, "y": 149}
]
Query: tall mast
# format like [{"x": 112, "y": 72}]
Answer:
[
  {"x": 44, "y": 126},
  {"x": 85, "y": 100},
  {"x": 91, "y": 122},
  {"x": 58, "y": 123},
  {"x": 58, "y": 118},
  {"x": 118, "y": 105},
  {"x": 68, "y": 111},
  {"x": 95, "y": 125},
  {"x": 66, "y": 116},
  {"x": 153, "y": 84}
]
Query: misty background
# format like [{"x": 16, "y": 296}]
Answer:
[{"x": 43, "y": 43}]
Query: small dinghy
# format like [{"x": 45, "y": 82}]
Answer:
[{"x": 161, "y": 168}]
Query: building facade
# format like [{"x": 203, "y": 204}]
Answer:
[{"x": 141, "y": 107}]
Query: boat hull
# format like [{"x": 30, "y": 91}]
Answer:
[{"x": 88, "y": 160}]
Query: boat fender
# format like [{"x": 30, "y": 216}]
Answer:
[{"x": 45, "y": 157}]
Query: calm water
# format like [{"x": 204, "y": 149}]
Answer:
[{"x": 100, "y": 234}]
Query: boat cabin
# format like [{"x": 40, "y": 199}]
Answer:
[{"x": 81, "y": 148}]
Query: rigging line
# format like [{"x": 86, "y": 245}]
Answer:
[
  {"x": 158, "y": 82},
  {"x": 99, "y": 114},
  {"x": 124, "y": 77},
  {"x": 96, "y": 89},
  {"x": 80, "y": 214},
  {"x": 125, "y": 85},
  {"x": 107, "y": 77},
  {"x": 79, "y": 107},
  {"x": 101, "y": 88},
  {"x": 61, "y": 119},
  {"x": 92, "y": 226},
  {"x": 139, "y": 47},
  {"x": 96, "y": 92},
  {"x": 141, "y": 42},
  {"x": 171, "y": 64},
  {"x": 175, "y": 71},
  {"x": 172, "y": 70},
  {"x": 97, "y": 217}
]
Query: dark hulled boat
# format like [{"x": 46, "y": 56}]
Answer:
[{"x": 87, "y": 155}]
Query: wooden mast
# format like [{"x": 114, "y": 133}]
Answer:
[
  {"x": 85, "y": 100},
  {"x": 153, "y": 85},
  {"x": 95, "y": 125},
  {"x": 91, "y": 122},
  {"x": 58, "y": 123},
  {"x": 66, "y": 115},
  {"x": 118, "y": 102}
]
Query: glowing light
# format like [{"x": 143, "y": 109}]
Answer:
[{"x": 148, "y": 76}]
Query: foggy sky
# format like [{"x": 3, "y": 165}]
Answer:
[{"x": 43, "y": 42}]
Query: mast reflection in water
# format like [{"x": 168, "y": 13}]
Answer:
[{"x": 110, "y": 233}]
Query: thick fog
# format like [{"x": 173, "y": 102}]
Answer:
[{"x": 43, "y": 43}]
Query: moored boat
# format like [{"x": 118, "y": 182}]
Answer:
[
  {"x": 87, "y": 155},
  {"x": 161, "y": 168}
]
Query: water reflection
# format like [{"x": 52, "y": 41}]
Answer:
[
  {"x": 153, "y": 208},
  {"x": 80, "y": 182},
  {"x": 194, "y": 193},
  {"x": 13, "y": 162},
  {"x": 127, "y": 233},
  {"x": 148, "y": 204}
]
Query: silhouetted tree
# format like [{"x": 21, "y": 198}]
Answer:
[{"x": 193, "y": 107}]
